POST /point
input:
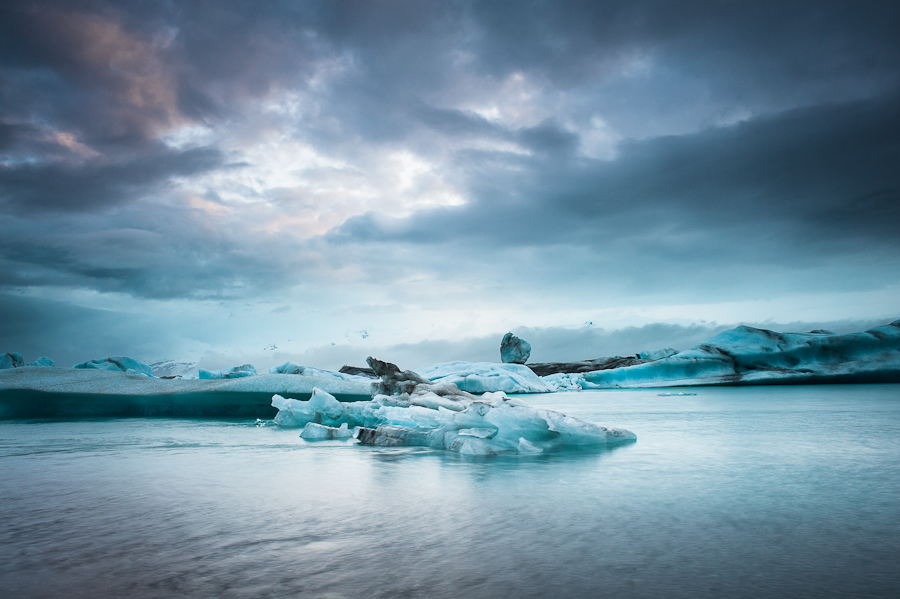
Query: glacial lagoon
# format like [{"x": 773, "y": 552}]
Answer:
[{"x": 789, "y": 491}]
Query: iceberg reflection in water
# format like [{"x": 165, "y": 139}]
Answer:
[{"x": 735, "y": 492}]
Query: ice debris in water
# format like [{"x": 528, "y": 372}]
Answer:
[
  {"x": 43, "y": 361},
  {"x": 674, "y": 394},
  {"x": 232, "y": 373},
  {"x": 317, "y": 432},
  {"x": 410, "y": 410},
  {"x": 120, "y": 363}
]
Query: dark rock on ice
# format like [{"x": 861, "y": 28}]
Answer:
[
  {"x": 548, "y": 368},
  {"x": 514, "y": 350},
  {"x": 358, "y": 371}
]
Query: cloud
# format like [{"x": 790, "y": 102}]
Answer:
[{"x": 475, "y": 162}]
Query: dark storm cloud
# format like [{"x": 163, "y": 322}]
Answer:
[
  {"x": 87, "y": 89},
  {"x": 41, "y": 187},
  {"x": 818, "y": 175}
]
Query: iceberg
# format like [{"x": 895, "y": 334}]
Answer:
[
  {"x": 514, "y": 350},
  {"x": 43, "y": 361},
  {"x": 486, "y": 377},
  {"x": 11, "y": 360},
  {"x": 438, "y": 414},
  {"x": 232, "y": 373},
  {"x": 657, "y": 354},
  {"x": 566, "y": 381},
  {"x": 291, "y": 368},
  {"x": 320, "y": 432},
  {"x": 747, "y": 356},
  {"x": 120, "y": 363}
]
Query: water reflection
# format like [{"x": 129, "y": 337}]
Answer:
[{"x": 738, "y": 493}]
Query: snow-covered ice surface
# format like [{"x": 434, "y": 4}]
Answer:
[
  {"x": 489, "y": 425},
  {"x": 486, "y": 377},
  {"x": 746, "y": 355}
]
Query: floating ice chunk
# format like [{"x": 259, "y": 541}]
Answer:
[
  {"x": 514, "y": 350},
  {"x": 460, "y": 422},
  {"x": 313, "y": 431},
  {"x": 484, "y": 377},
  {"x": 120, "y": 363},
  {"x": 674, "y": 394},
  {"x": 43, "y": 361},
  {"x": 329, "y": 409},
  {"x": 565, "y": 381},
  {"x": 11, "y": 360},
  {"x": 231, "y": 373}
]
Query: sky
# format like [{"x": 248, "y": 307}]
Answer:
[{"x": 226, "y": 182}]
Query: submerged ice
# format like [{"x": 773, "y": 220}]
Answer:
[{"x": 408, "y": 409}]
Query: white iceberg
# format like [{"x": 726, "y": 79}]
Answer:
[
  {"x": 746, "y": 355},
  {"x": 320, "y": 432},
  {"x": 486, "y": 377}
]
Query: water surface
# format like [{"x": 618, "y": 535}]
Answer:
[{"x": 738, "y": 492}]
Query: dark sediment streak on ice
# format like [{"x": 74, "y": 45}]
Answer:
[{"x": 548, "y": 368}]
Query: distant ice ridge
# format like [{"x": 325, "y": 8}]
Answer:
[
  {"x": 119, "y": 363},
  {"x": 488, "y": 425},
  {"x": 237, "y": 372},
  {"x": 486, "y": 377},
  {"x": 14, "y": 360},
  {"x": 290, "y": 368},
  {"x": 746, "y": 355}
]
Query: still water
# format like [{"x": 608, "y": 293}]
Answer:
[{"x": 734, "y": 492}]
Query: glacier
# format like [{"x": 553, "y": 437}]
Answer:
[
  {"x": 747, "y": 355},
  {"x": 409, "y": 410}
]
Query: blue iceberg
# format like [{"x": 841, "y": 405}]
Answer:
[{"x": 747, "y": 355}]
